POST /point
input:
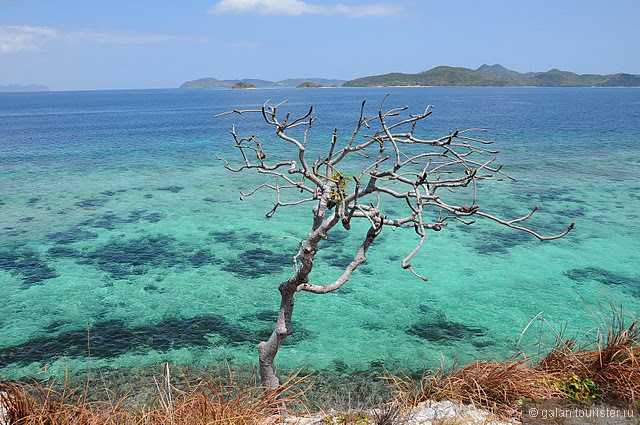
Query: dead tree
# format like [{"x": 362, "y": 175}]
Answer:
[{"x": 420, "y": 173}]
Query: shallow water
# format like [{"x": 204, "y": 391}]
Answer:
[{"x": 116, "y": 217}]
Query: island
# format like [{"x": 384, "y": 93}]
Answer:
[
  {"x": 308, "y": 85},
  {"x": 14, "y": 88},
  {"x": 444, "y": 76},
  {"x": 210, "y": 82},
  {"x": 293, "y": 82},
  {"x": 495, "y": 76},
  {"x": 242, "y": 85}
]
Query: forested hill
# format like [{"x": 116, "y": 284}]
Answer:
[
  {"x": 484, "y": 76},
  {"x": 439, "y": 76},
  {"x": 495, "y": 76}
]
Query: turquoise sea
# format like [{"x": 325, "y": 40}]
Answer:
[{"x": 117, "y": 219}]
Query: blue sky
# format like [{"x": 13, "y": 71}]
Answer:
[{"x": 95, "y": 44}]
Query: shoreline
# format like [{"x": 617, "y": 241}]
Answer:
[
  {"x": 358, "y": 389},
  {"x": 565, "y": 376},
  {"x": 54, "y": 91},
  {"x": 317, "y": 398}
]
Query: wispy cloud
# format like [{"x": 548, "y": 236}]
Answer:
[
  {"x": 24, "y": 37},
  {"x": 298, "y": 7}
]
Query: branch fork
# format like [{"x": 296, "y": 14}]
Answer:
[{"x": 403, "y": 166}]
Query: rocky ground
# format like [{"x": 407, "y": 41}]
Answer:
[{"x": 426, "y": 413}]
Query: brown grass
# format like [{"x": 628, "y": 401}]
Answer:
[
  {"x": 210, "y": 400},
  {"x": 610, "y": 358},
  {"x": 493, "y": 385}
]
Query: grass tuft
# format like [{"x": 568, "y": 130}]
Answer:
[
  {"x": 218, "y": 399},
  {"x": 606, "y": 366}
]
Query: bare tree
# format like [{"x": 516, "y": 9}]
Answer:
[{"x": 399, "y": 164}]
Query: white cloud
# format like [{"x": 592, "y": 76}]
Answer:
[
  {"x": 266, "y": 7},
  {"x": 24, "y": 37},
  {"x": 298, "y": 7},
  {"x": 379, "y": 9},
  {"x": 21, "y": 38}
]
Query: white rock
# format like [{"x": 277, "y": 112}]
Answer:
[
  {"x": 425, "y": 413},
  {"x": 432, "y": 413},
  {"x": 4, "y": 413}
]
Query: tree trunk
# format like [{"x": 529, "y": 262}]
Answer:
[{"x": 267, "y": 350}]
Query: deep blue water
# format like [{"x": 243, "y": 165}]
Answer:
[{"x": 115, "y": 213}]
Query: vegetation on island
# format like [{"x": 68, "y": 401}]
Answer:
[
  {"x": 439, "y": 76},
  {"x": 242, "y": 85},
  {"x": 308, "y": 85},
  {"x": 495, "y": 76},
  {"x": 484, "y": 76},
  {"x": 211, "y": 82},
  {"x": 292, "y": 82},
  {"x": 498, "y": 71},
  {"x": 622, "y": 80}
]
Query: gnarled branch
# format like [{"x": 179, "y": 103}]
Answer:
[{"x": 423, "y": 173}]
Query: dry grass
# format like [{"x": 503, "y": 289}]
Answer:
[
  {"x": 496, "y": 386},
  {"x": 607, "y": 366},
  {"x": 211, "y": 400},
  {"x": 386, "y": 414},
  {"x": 609, "y": 362},
  {"x": 611, "y": 359}
]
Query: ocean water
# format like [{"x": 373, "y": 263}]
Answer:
[{"x": 117, "y": 222}]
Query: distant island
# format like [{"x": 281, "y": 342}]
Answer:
[
  {"x": 294, "y": 82},
  {"x": 308, "y": 85},
  {"x": 495, "y": 76},
  {"x": 242, "y": 85},
  {"x": 13, "y": 88},
  {"x": 484, "y": 76},
  {"x": 211, "y": 82}
]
